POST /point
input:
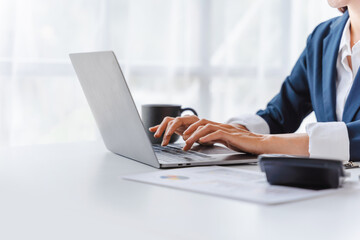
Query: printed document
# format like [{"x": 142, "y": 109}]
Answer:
[{"x": 232, "y": 183}]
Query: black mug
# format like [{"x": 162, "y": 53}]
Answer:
[{"x": 153, "y": 114}]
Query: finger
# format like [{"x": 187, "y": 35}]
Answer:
[
  {"x": 239, "y": 126},
  {"x": 225, "y": 127},
  {"x": 235, "y": 141},
  {"x": 162, "y": 126},
  {"x": 154, "y": 128},
  {"x": 200, "y": 132},
  {"x": 212, "y": 143},
  {"x": 217, "y": 136},
  {"x": 187, "y": 120},
  {"x": 234, "y": 128},
  {"x": 192, "y": 128},
  {"x": 189, "y": 142},
  {"x": 172, "y": 126}
]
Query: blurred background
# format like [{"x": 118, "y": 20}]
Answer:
[{"x": 222, "y": 57}]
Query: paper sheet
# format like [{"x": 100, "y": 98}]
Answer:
[{"x": 232, "y": 183}]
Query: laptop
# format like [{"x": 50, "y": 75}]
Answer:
[{"x": 120, "y": 124}]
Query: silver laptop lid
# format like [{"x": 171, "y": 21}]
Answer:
[{"x": 113, "y": 107}]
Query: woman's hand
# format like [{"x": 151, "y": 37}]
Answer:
[
  {"x": 183, "y": 126},
  {"x": 171, "y": 125}
]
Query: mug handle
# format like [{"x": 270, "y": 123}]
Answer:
[{"x": 188, "y": 109}]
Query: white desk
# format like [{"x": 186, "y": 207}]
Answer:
[{"x": 75, "y": 191}]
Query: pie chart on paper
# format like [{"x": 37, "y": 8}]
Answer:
[{"x": 174, "y": 177}]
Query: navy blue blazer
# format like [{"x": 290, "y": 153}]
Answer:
[{"x": 311, "y": 86}]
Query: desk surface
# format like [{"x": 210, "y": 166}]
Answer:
[{"x": 75, "y": 191}]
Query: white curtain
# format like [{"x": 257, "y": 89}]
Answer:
[{"x": 222, "y": 57}]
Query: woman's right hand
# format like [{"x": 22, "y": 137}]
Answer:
[{"x": 171, "y": 125}]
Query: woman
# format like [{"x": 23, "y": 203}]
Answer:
[{"x": 323, "y": 80}]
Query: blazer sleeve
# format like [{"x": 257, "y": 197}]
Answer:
[{"x": 285, "y": 112}]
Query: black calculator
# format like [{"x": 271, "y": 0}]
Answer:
[{"x": 303, "y": 172}]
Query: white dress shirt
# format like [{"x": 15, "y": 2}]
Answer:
[{"x": 326, "y": 139}]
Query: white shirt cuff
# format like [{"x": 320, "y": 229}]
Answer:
[
  {"x": 252, "y": 122},
  {"x": 329, "y": 140}
]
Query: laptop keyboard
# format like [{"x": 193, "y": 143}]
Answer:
[{"x": 172, "y": 154}]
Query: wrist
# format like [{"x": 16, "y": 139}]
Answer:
[
  {"x": 292, "y": 144},
  {"x": 257, "y": 143},
  {"x": 266, "y": 142}
]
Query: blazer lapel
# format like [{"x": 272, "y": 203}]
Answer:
[
  {"x": 330, "y": 53},
  {"x": 353, "y": 101}
]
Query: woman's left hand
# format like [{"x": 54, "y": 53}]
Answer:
[{"x": 235, "y": 137}]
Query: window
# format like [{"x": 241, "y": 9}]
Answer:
[{"x": 222, "y": 57}]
